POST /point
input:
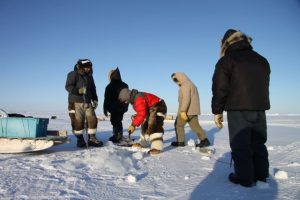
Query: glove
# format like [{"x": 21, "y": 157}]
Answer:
[
  {"x": 131, "y": 129},
  {"x": 219, "y": 120},
  {"x": 95, "y": 104},
  {"x": 82, "y": 90},
  {"x": 184, "y": 116},
  {"x": 105, "y": 113}
]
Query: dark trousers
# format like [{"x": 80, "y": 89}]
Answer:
[
  {"x": 154, "y": 122},
  {"x": 116, "y": 119},
  {"x": 248, "y": 135}
]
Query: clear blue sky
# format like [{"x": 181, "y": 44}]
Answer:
[{"x": 148, "y": 39}]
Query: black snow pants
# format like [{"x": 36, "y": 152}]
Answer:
[
  {"x": 248, "y": 135},
  {"x": 116, "y": 119}
]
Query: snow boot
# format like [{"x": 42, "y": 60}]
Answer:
[
  {"x": 156, "y": 141},
  {"x": 93, "y": 141},
  {"x": 116, "y": 138},
  {"x": 80, "y": 141},
  {"x": 137, "y": 145},
  {"x": 178, "y": 144},
  {"x": 154, "y": 152},
  {"x": 260, "y": 179},
  {"x": 203, "y": 143},
  {"x": 234, "y": 179}
]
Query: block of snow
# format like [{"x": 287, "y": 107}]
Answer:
[
  {"x": 131, "y": 179},
  {"x": 281, "y": 175},
  {"x": 191, "y": 143},
  {"x": 205, "y": 158},
  {"x": 137, "y": 155},
  {"x": 270, "y": 148}
]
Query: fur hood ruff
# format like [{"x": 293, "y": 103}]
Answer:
[{"x": 235, "y": 37}]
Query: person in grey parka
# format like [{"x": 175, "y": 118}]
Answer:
[
  {"x": 188, "y": 111},
  {"x": 83, "y": 101}
]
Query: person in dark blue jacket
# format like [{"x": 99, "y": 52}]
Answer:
[
  {"x": 83, "y": 101},
  {"x": 112, "y": 104},
  {"x": 241, "y": 87}
]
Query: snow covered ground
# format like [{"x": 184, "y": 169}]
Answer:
[{"x": 111, "y": 172}]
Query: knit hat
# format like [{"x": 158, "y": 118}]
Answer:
[
  {"x": 124, "y": 95},
  {"x": 227, "y": 34}
]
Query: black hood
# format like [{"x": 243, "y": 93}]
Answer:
[{"x": 115, "y": 74}]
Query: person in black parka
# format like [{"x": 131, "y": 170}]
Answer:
[
  {"x": 83, "y": 101},
  {"x": 241, "y": 87},
  {"x": 112, "y": 104}
]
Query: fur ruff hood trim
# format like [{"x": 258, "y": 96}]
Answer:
[{"x": 235, "y": 37}]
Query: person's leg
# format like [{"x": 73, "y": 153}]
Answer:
[
  {"x": 116, "y": 121},
  {"x": 155, "y": 120},
  {"x": 179, "y": 130},
  {"x": 240, "y": 143},
  {"x": 156, "y": 141},
  {"x": 77, "y": 120},
  {"x": 195, "y": 126},
  {"x": 142, "y": 142},
  {"x": 71, "y": 108},
  {"x": 260, "y": 157},
  {"x": 92, "y": 122}
]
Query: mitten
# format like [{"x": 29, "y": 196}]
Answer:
[
  {"x": 218, "y": 120},
  {"x": 184, "y": 116},
  {"x": 131, "y": 129},
  {"x": 95, "y": 104},
  {"x": 82, "y": 90}
]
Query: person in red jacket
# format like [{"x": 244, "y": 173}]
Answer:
[{"x": 150, "y": 114}]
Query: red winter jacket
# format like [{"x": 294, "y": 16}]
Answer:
[{"x": 142, "y": 102}]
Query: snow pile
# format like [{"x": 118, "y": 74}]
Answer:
[
  {"x": 191, "y": 143},
  {"x": 131, "y": 179},
  {"x": 281, "y": 175}
]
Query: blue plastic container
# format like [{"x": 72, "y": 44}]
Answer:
[{"x": 23, "y": 127}]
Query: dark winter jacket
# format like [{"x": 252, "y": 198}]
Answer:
[
  {"x": 112, "y": 90},
  {"x": 77, "y": 79},
  {"x": 240, "y": 80},
  {"x": 142, "y": 102}
]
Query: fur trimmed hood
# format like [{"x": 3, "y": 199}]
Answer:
[
  {"x": 234, "y": 38},
  {"x": 114, "y": 74},
  {"x": 180, "y": 78}
]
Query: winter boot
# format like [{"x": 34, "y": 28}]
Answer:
[
  {"x": 178, "y": 144},
  {"x": 154, "y": 152},
  {"x": 203, "y": 143},
  {"x": 234, "y": 179},
  {"x": 157, "y": 145},
  {"x": 94, "y": 142},
  {"x": 260, "y": 179},
  {"x": 117, "y": 137},
  {"x": 80, "y": 141},
  {"x": 137, "y": 145}
]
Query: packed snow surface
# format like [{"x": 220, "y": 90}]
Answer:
[{"x": 113, "y": 172}]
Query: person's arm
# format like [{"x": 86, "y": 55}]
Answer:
[
  {"x": 71, "y": 84},
  {"x": 140, "y": 107}
]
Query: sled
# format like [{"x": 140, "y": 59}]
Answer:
[
  {"x": 23, "y": 145},
  {"x": 19, "y": 134}
]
